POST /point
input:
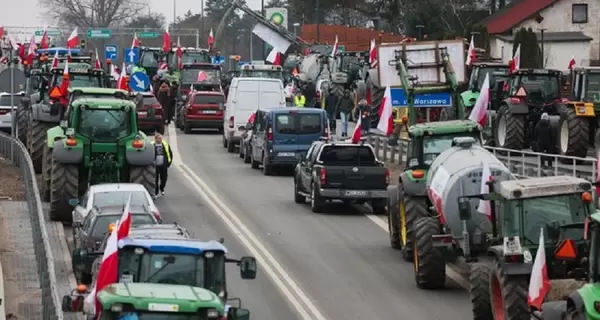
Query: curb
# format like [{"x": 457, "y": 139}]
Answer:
[{"x": 2, "y": 300}]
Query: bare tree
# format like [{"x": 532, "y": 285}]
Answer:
[{"x": 93, "y": 13}]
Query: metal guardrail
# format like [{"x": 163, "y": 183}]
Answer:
[{"x": 16, "y": 152}]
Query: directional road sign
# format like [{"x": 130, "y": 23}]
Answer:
[
  {"x": 111, "y": 52},
  {"x": 51, "y": 33},
  {"x": 148, "y": 34},
  {"x": 139, "y": 82},
  {"x": 132, "y": 55},
  {"x": 99, "y": 33},
  {"x": 442, "y": 99}
]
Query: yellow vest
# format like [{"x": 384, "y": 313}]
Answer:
[
  {"x": 166, "y": 147},
  {"x": 300, "y": 101}
]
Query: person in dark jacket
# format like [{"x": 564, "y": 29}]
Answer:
[
  {"x": 164, "y": 96},
  {"x": 345, "y": 104},
  {"x": 173, "y": 89},
  {"x": 309, "y": 92},
  {"x": 331, "y": 109},
  {"x": 544, "y": 137}
]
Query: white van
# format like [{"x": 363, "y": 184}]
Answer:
[{"x": 246, "y": 95}]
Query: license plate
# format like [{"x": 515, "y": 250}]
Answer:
[
  {"x": 286, "y": 154},
  {"x": 164, "y": 307},
  {"x": 356, "y": 193},
  {"x": 142, "y": 113},
  {"x": 126, "y": 278},
  {"x": 209, "y": 111}
]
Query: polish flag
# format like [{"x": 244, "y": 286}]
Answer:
[
  {"x": 572, "y": 62},
  {"x": 21, "y": 47},
  {"x": 69, "y": 55},
  {"x": 1, "y": 32},
  {"x": 109, "y": 267},
  {"x": 515, "y": 63},
  {"x": 64, "y": 86},
  {"x": 122, "y": 81},
  {"x": 114, "y": 73},
  {"x": 55, "y": 61},
  {"x": 539, "y": 285},
  {"x": 274, "y": 57},
  {"x": 166, "y": 41},
  {"x": 136, "y": 42},
  {"x": 386, "y": 118},
  {"x": 471, "y": 52},
  {"x": 479, "y": 112},
  {"x": 179, "y": 55},
  {"x": 97, "y": 64},
  {"x": 211, "y": 39},
  {"x": 44, "y": 43},
  {"x": 31, "y": 50},
  {"x": 484, "y": 205},
  {"x": 4, "y": 60},
  {"x": 357, "y": 130},
  {"x": 598, "y": 173},
  {"x": 73, "y": 40},
  {"x": 335, "y": 47},
  {"x": 373, "y": 55}
]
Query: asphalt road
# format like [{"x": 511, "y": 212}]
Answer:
[{"x": 340, "y": 261}]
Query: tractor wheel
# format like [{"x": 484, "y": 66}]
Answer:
[
  {"x": 22, "y": 124},
  {"x": 394, "y": 217},
  {"x": 377, "y": 94},
  {"x": 411, "y": 210},
  {"x": 64, "y": 186},
  {"x": 480, "y": 290},
  {"x": 46, "y": 172},
  {"x": 508, "y": 294},
  {"x": 145, "y": 176},
  {"x": 574, "y": 134},
  {"x": 428, "y": 262},
  {"x": 361, "y": 91},
  {"x": 510, "y": 129},
  {"x": 36, "y": 139},
  {"x": 337, "y": 89}
]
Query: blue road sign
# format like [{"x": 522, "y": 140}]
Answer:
[
  {"x": 139, "y": 82},
  {"x": 110, "y": 52},
  {"x": 218, "y": 60},
  {"x": 131, "y": 55},
  {"x": 442, "y": 99}
]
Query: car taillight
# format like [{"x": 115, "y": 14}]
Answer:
[
  {"x": 231, "y": 122},
  {"x": 270, "y": 134},
  {"x": 387, "y": 176},
  {"x": 323, "y": 176},
  {"x": 158, "y": 110},
  {"x": 318, "y": 95}
]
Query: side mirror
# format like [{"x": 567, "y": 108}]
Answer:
[
  {"x": 73, "y": 202},
  {"x": 248, "y": 267},
  {"x": 26, "y": 101},
  {"x": 79, "y": 257},
  {"x": 464, "y": 208},
  {"x": 238, "y": 314}
]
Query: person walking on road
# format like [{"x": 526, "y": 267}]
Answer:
[
  {"x": 309, "y": 92},
  {"x": 163, "y": 160},
  {"x": 544, "y": 137},
  {"x": 163, "y": 97},
  {"x": 345, "y": 104},
  {"x": 331, "y": 109}
]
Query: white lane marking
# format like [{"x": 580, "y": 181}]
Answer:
[
  {"x": 449, "y": 271},
  {"x": 300, "y": 301}
]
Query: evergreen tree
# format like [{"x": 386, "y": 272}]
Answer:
[{"x": 530, "y": 50}]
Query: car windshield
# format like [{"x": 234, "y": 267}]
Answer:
[
  {"x": 298, "y": 123},
  {"x": 537, "y": 86},
  {"x": 80, "y": 80},
  {"x": 103, "y": 124},
  {"x": 434, "y": 145},
  {"x": 151, "y": 315},
  {"x": 592, "y": 87},
  {"x": 119, "y": 198},
  {"x": 173, "y": 268},
  {"x": 533, "y": 214},
  {"x": 100, "y": 227},
  {"x": 201, "y": 76},
  {"x": 262, "y": 74},
  {"x": 347, "y": 156},
  {"x": 5, "y": 100}
]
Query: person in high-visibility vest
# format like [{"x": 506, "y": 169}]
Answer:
[
  {"x": 300, "y": 100},
  {"x": 163, "y": 160}
]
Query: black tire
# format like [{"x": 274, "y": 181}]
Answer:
[
  {"x": 36, "y": 138},
  {"x": 253, "y": 163},
  {"x": 186, "y": 128},
  {"x": 415, "y": 208},
  {"x": 577, "y": 134},
  {"x": 224, "y": 141},
  {"x": 267, "y": 169},
  {"x": 247, "y": 155},
  {"x": 64, "y": 187},
  {"x": 46, "y": 173},
  {"x": 429, "y": 264},
  {"x": 145, "y": 176},
  {"x": 241, "y": 153},
  {"x": 514, "y": 137},
  {"x": 23, "y": 123},
  {"x": 479, "y": 290},
  {"x": 316, "y": 202},
  {"x": 394, "y": 218},
  {"x": 298, "y": 198},
  {"x": 230, "y": 146},
  {"x": 509, "y": 293},
  {"x": 377, "y": 94}
]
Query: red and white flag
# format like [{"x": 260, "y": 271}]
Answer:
[
  {"x": 484, "y": 205},
  {"x": 335, "y": 47},
  {"x": 66, "y": 82},
  {"x": 471, "y": 52},
  {"x": 97, "y": 64},
  {"x": 386, "y": 117},
  {"x": 515, "y": 63},
  {"x": 179, "y": 55},
  {"x": 539, "y": 285},
  {"x": 357, "y": 131},
  {"x": 598, "y": 173},
  {"x": 31, "y": 50},
  {"x": 109, "y": 267},
  {"x": 73, "y": 39},
  {"x": 122, "y": 81},
  {"x": 479, "y": 112},
  {"x": 572, "y": 62},
  {"x": 373, "y": 54},
  {"x": 211, "y": 39},
  {"x": 69, "y": 55},
  {"x": 114, "y": 72},
  {"x": 166, "y": 41},
  {"x": 1, "y": 32},
  {"x": 135, "y": 43},
  {"x": 45, "y": 43},
  {"x": 274, "y": 57},
  {"x": 54, "y": 61}
]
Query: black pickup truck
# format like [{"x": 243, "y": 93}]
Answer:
[{"x": 341, "y": 171}]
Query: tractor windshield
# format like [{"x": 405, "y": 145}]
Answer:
[
  {"x": 348, "y": 63},
  {"x": 104, "y": 125},
  {"x": 496, "y": 74},
  {"x": 549, "y": 213},
  {"x": 150, "y": 315},
  {"x": 436, "y": 144},
  {"x": 203, "y": 76},
  {"x": 544, "y": 87},
  {"x": 191, "y": 57},
  {"x": 173, "y": 268},
  {"x": 149, "y": 59},
  {"x": 79, "y": 80},
  {"x": 592, "y": 87}
]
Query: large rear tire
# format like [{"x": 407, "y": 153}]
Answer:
[
  {"x": 428, "y": 263},
  {"x": 394, "y": 203},
  {"x": 36, "y": 139},
  {"x": 46, "y": 173},
  {"x": 64, "y": 186},
  {"x": 508, "y": 295},
  {"x": 479, "y": 290},
  {"x": 510, "y": 129},
  {"x": 377, "y": 94},
  {"x": 415, "y": 208},
  {"x": 145, "y": 176},
  {"x": 22, "y": 123},
  {"x": 573, "y": 134}
]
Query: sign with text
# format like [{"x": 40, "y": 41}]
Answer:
[{"x": 441, "y": 99}]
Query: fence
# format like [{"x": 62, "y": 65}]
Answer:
[{"x": 51, "y": 301}]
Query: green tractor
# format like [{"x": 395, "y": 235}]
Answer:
[
  {"x": 156, "y": 301},
  {"x": 99, "y": 142},
  {"x": 346, "y": 71}
]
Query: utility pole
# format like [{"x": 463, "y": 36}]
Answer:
[
  {"x": 202, "y": 18},
  {"x": 174, "y": 11},
  {"x": 317, "y": 10},
  {"x": 264, "y": 14},
  {"x": 542, "y": 48}
]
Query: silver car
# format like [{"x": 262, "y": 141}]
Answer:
[{"x": 5, "y": 109}]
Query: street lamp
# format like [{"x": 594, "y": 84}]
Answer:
[{"x": 296, "y": 25}]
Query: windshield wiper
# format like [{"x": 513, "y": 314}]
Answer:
[{"x": 168, "y": 260}]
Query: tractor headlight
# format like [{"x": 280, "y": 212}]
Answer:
[{"x": 212, "y": 313}]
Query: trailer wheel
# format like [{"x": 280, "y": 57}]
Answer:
[
  {"x": 510, "y": 130},
  {"x": 573, "y": 134},
  {"x": 508, "y": 295},
  {"x": 480, "y": 290},
  {"x": 411, "y": 210},
  {"x": 64, "y": 186},
  {"x": 428, "y": 262},
  {"x": 146, "y": 176}
]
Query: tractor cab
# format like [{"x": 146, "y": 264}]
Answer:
[
  {"x": 199, "y": 77},
  {"x": 497, "y": 72},
  {"x": 150, "y": 59},
  {"x": 535, "y": 88},
  {"x": 189, "y": 56},
  {"x": 80, "y": 75}
]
